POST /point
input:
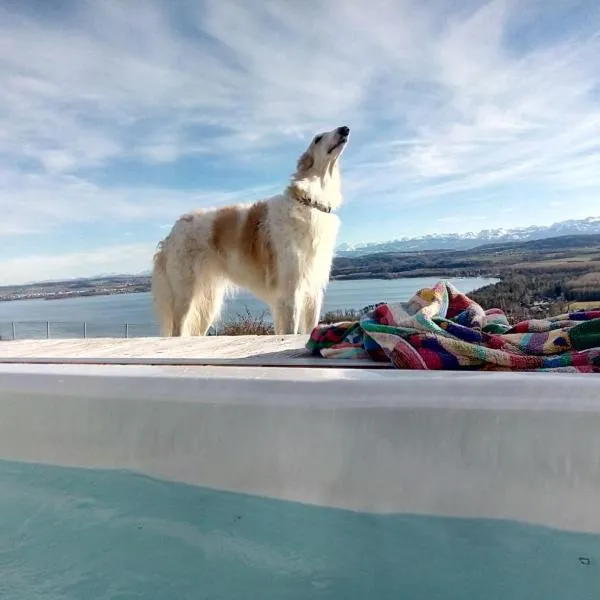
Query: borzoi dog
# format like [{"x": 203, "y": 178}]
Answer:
[{"x": 280, "y": 249}]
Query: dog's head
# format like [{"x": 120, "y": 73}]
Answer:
[{"x": 323, "y": 152}]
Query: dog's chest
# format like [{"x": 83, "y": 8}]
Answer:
[{"x": 311, "y": 242}]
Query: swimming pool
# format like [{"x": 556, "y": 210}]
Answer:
[
  {"x": 120, "y": 483},
  {"x": 79, "y": 534}
]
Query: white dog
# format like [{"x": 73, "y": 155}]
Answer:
[{"x": 280, "y": 249}]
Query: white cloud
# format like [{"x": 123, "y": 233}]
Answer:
[
  {"x": 79, "y": 90},
  {"x": 125, "y": 258},
  {"x": 443, "y": 98},
  {"x": 38, "y": 202}
]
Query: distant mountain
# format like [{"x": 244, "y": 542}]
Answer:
[{"x": 466, "y": 241}]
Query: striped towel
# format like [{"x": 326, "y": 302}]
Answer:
[{"x": 441, "y": 328}]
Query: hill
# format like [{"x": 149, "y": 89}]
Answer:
[
  {"x": 575, "y": 252},
  {"x": 537, "y": 277}
]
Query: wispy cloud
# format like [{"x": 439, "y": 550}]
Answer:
[
  {"x": 32, "y": 203},
  {"x": 123, "y": 258},
  {"x": 443, "y": 98}
]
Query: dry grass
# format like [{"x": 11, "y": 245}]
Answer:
[
  {"x": 575, "y": 306},
  {"x": 336, "y": 316},
  {"x": 585, "y": 288},
  {"x": 247, "y": 324},
  {"x": 589, "y": 279},
  {"x": 559, "y": 265}
]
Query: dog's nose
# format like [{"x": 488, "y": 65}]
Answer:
[{"x": 343, "y": 130}]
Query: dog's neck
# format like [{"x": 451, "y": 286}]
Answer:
[
  {"x": 303, "y": 197},
  {"x": 322, "y": 193}
]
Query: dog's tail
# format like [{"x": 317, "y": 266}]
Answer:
[{"x": 162, "y": 292}]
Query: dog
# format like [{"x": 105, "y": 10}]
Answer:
[{"x": 280, "y": 249}]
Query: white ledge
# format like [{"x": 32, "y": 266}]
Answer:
[
  {"x": 495, "y": 445},
  {"x": 211, "y": 350}
]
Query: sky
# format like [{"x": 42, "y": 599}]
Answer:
[{"x": 118, "y": 116}]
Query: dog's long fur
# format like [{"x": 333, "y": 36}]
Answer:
[{"x": 280, "y": 249}]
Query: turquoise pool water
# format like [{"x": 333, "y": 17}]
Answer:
[{"x": 105, "y": 535}]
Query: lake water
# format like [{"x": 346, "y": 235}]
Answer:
[{"x": 106, "y": 316}]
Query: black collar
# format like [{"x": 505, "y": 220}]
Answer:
[{"x": 298, "y": 196}]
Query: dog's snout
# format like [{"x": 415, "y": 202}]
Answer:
[{"x": 343, "y": 130}]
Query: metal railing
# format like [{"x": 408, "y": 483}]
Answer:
[
  {"x": 22, "y": 330},
  {"x": 40, "y": 330}
]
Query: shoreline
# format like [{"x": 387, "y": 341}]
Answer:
[{"x": 144, "y": 289}]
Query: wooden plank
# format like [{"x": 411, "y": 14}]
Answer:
[
  {"x": 311, "y": 361},
  {"x": 194, "y": 347},
  {"x": 282, "y": 351}
]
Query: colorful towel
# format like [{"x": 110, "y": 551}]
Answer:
[{"x": 440, "y": 328}]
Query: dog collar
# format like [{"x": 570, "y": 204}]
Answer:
[{"x": 307, "y": 201}]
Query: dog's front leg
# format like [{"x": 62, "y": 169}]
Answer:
[
  {"x": 288, "y": 312},
  {"x": 312, "y": 311}
]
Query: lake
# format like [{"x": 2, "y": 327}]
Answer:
[{"x": 106, "y": 316}]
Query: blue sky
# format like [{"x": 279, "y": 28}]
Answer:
[{"x": 118, "y": 116}]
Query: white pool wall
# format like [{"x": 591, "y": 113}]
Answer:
[{"x": 524, "y": 447}]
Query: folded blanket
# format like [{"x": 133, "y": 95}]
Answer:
[{"x": 441, "y": 328}]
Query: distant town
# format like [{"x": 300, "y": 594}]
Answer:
[{"x": 58, "y": 290}]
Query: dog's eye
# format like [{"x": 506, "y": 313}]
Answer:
[{"x": 318, "y": 139}]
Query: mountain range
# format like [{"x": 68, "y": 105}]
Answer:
[
  {"x": 450, "y": 241},
  {"x": 466, "y": 241}
]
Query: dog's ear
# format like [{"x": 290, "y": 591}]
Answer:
[{"x": 305, "y": 162}]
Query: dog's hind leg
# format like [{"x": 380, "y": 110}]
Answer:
[
  {"x": 204, "y": 307},
  {"x": 162, "y": 293},
  {"x": 183, "y": 304}
]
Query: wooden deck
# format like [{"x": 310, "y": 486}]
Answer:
[{"x": 281, "y": 351}]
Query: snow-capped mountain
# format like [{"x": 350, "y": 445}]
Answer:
[{"x": 464, "y": 241}]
